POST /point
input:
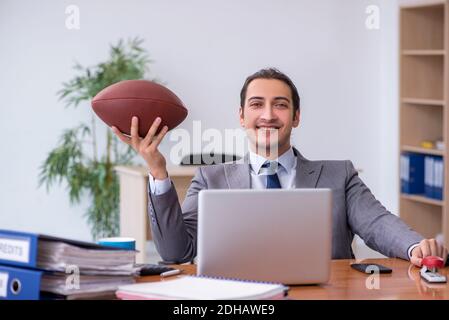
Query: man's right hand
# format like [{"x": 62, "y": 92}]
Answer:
[
  {"x": 148, "y": 146},
  {"x": 427, "y": 247}
]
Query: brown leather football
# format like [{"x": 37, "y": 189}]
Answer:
[{"x": 147, "y": 100}]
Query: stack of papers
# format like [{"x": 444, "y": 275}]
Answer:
[
  {"x": 59, "y": 256},
  {"x": 202, "y": 288},
  {"x": 62, "y": 284},
  {"x": 84, "y": 271}
]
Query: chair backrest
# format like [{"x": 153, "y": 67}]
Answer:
[{"x": 207, "y": 159}]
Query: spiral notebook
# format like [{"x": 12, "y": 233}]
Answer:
[{"x": 202, "y": 288}]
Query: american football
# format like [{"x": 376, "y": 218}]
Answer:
[{"x": 147, "y": 100}]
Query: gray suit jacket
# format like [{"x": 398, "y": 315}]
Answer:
[{"x": 355, "y": 209}]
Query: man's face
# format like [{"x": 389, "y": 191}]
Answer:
[{"x": 268, "y": 115}]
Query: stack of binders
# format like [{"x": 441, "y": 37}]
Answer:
[
  {"x": 36, "y": 266},
  {"x": 422, "y": 175}
]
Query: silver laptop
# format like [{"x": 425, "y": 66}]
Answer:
[{"x": 265, "y": 235}]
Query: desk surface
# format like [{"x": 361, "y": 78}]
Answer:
[{"x": 348, "y": 284}]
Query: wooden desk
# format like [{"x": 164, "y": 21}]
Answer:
[{"x": 349, "y": 284}]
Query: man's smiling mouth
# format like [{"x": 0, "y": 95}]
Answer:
[{"x": 268, "y": 127}]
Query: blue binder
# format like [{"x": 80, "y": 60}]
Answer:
[
  {"x": 438, "y": 172},
  {"x": 412, "y": 173},
  {"x": 19, "y": 284},
  {"x": 21, "y": 248},
  {"x": 434, "y": 177},
  {"x": 429, "y": 180}
]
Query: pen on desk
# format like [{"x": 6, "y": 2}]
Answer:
[{"x": 170, "y": 273}]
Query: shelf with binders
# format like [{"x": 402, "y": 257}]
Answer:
[{"x": 424, "y": 129}]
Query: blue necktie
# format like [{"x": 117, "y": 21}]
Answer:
[{"x": 272, "y": 179}]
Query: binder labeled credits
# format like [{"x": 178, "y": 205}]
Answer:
[
  {"x": 19, "y": 249},
  {"x": 19, "y": 284}
]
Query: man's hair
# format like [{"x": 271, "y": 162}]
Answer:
[{"x": 272, "y": 73}]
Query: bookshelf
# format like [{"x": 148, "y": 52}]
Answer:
[{"x": 423, "y": 114}]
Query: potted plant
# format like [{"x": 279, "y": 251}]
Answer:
[{"x": 93, "y": 172}]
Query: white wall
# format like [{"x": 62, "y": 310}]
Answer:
[{"x": 203, "y": 50}]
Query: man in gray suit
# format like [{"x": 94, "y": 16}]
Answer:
[{"x": 270, "y": 109}]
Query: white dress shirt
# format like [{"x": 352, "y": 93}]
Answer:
[{"x": 286, "y": 170}]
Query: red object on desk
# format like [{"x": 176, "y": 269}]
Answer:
[{"x": 433, "y": 262}]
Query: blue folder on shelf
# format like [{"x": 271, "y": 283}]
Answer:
[
  {"x": 412, "y": 173},
  {"x": 434, "y": 177},
  {"x": 428, "y": 179},
  {"x": 438, "y": 178},
  {"x": 19, "y": 284}
]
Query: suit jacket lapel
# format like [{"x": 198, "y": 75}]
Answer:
[
  {"x": 307, "y": 172},
  {"x": 238, "y": 175}
]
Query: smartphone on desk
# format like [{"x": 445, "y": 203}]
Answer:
[
  {"x": 149, "y": 269},
  {"x": 370, "y": 268}
]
